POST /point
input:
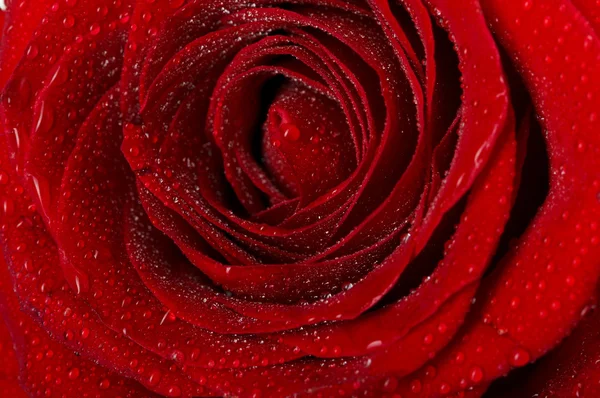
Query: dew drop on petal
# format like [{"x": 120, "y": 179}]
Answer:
[
  {"x": 290, "y": 131},
  {"x": 519, "y": 357}
]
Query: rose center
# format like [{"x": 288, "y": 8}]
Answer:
[{"x": 306, "y": 145}]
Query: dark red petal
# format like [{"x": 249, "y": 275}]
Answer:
[
  {"x": 565, "y": 227},
  {"x": 279, "y": 282},
  {"x": 48, "y": 368},
  {"x": 138, "y": 46},
  {"x": 34, "y": 69},
  {"x": 572, "y": 369},
  {"x": 77, "y": 86},
  {"x": 9, "y": 365},
  {"x": 465, "y": 260},
  {"x": 589, "y": 9},
  {"x": 27, "y": 14},
  {"x": 537, "y": 293},
  {"x": 308, "y": 377},
  {"x": 91, "y": 265},
  {"x": 484, "y": 105},
  {"x": 186, "y": 293},
  {"x": 43, "y": 294},
  {"x": 425, "y": 340}
]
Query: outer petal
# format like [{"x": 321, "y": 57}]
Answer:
[
  {"x": 538, "y": 292},
  {"x": 48, "y": 367},
  {"x": 20, "y": 20},
  {"x": 573, "y": 369},
  {"x": 591, "y": 10},
  {"x": 9, "y": 367}
]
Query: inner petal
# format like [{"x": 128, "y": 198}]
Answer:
[{"x": 306, "y": 146}]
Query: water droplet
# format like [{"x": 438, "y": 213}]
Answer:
[
  {"x": 444, "y": 388},
  {"x": 77, "y": 279},
  {"x": 94, "y": 29},
  {"x": 7, "y": 207},
  {"x": 32, "y": 51},
  {"x": 104, "y": 384},
  {"x": 428, "y": 339},
  {"x": 42, "y": 191},
  {"x": 68, "y": 21},
  {"x": 60, "y": 75},
  {"x": 480, "y": 152},
  {"x": 168, "y": 317},
  {"x": 174, "y": 391},
  {"x": 178, "y": 356},
  {"x": 73, "y": 373},
  {"x": 103, "y": 10},
  {"x": 476, "y": 374},
  {"x": 3, "y": 178},
  {"x": 290, "y": 131},
  {"x": 154, "y": 378},
  {"x": 374, "y": 344},
  {"x": 519, "y": 357},
  {"x": 514, "y": 303},
  {"x": 459, "y": 358},
  {"x": 28, "y": 265},
  {"x": 390, "y": 384},
  {"x": 45, "y": 119},
  {"x": 442, "y": 328},
  {"x": 415, "y": 386}
]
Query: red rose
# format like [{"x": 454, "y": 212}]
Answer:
[{"x": 299, "y": 197}]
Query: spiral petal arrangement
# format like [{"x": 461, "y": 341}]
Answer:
[{"x": 294, "y": 197}]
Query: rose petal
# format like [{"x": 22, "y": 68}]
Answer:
[
  {"x": 48, "y": 367},
  {"x": 503, "y": 333}
]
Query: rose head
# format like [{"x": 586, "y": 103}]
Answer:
[{"x": 299, "y": 197}]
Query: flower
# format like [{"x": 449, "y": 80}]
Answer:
[{"x": 298, "y": 198}]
